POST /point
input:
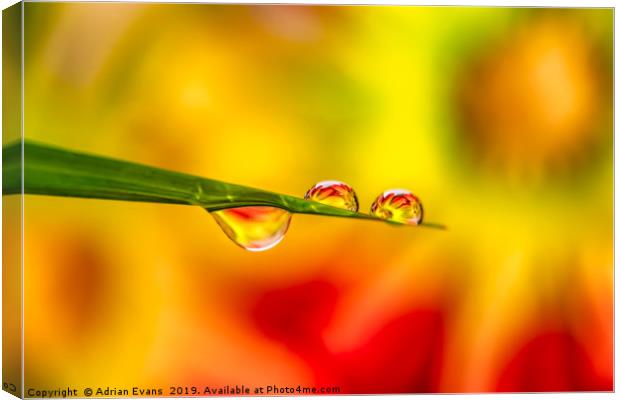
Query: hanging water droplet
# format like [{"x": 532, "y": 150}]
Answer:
[
  {"x": 255, "y": 228},
  {"x": 335, "y": 194},
  {"x": 398, "y": 205}
]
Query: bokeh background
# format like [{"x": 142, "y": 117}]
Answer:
[{"x": 499, "y": 119}]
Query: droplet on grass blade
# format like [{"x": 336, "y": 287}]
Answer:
[
  {"x": 334, "y": 193},
  {"x": 255, "y": 228},
  {"x": 398, "y": 205}
]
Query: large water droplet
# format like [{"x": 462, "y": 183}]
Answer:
[
  {"x": 398, "y": 205},
  {"x": 255, "y": 228},
  {"x": 335, "y": 194}
]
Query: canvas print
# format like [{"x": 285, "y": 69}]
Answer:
[{"x": 219, "y": 199}]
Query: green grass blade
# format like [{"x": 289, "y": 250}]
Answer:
[{"x": 54, "y": 171}]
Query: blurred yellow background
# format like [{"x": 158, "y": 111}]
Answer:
[{"x": 499, "y": 119}]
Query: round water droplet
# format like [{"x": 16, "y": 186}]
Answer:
[
  {"x": 255, "y": 228},
  {"x": 398, "y": 205},
  {"x": 335, "y": 194}
]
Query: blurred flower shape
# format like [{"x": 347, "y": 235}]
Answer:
[
  {"x": 552, "y": 361},
  {"x": 535, "y": 99},
  {"x": 402, "y": 356}
]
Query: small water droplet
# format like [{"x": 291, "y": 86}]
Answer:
[
  {"x": 335, "y": 194},
  {"x": 255, "y": 228},
  {"x": 398, "y": 205}
]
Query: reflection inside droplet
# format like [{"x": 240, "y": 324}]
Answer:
[
  {"x": 255, "y": 228},
  {"x": 335, "y": 194},
  {"x": 398, "y": 205}
]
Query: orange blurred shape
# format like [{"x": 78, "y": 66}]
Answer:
[
  {"x": 536, "y": 97},
  {"x": 76, "y": 280}
]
